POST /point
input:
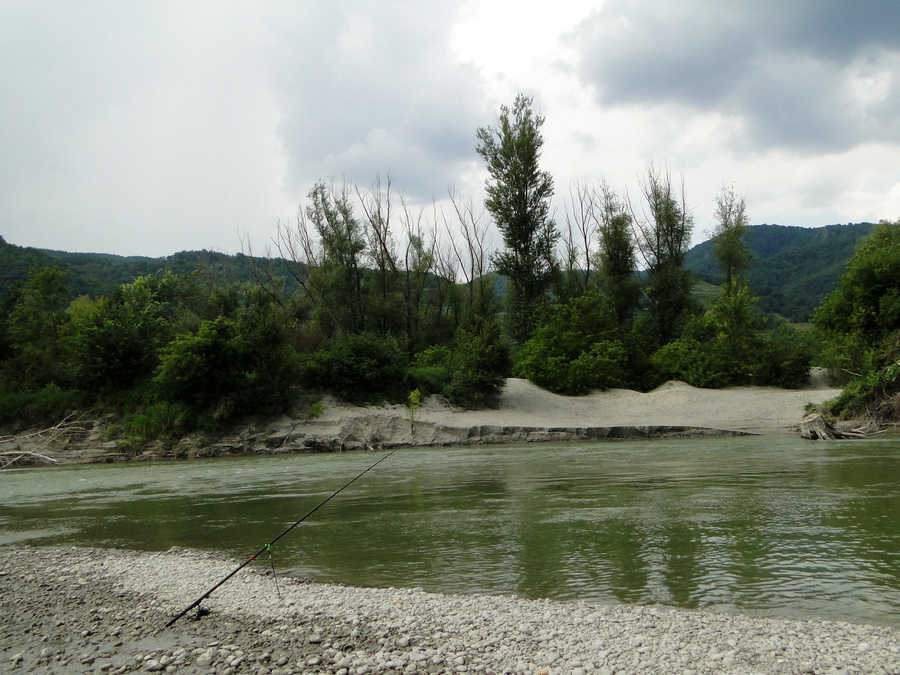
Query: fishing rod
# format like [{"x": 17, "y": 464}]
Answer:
[{"x": 268, "y": 547}]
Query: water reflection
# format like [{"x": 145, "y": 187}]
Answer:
[{"x": 784, "y": 527}]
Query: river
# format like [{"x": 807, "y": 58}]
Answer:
[{"x": 769, "y": 525}]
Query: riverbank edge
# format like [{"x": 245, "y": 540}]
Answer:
[
  {"x": 94, "y": 610},
  {"x": 525, "y": 414},
  {"x": 90, "y": 443}
]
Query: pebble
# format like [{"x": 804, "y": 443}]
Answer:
[{"x": 353, "y": 631}]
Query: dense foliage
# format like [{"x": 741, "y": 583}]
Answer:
[
  {"x": 860, "y": 325},
  {"x": 727, "y": 345},
  {"x": 575, "y": 347}
]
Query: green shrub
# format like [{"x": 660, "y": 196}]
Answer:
[
  {"x": 479, "y": 365},
  {"x": 200, "y": 369},
  {"x": 46, "y": 405},
  {"x": 429, "y": 379},
  {"x": 785, "y": 360},
  {"x": 117, "y": 345},
  {"x": 230, "y": 368},
  {"x": 871, "y": 393},
  {"x": 159, "y": 420},
  {"x": 602, "y": 367},
  {"x": 725, "y": 347},
  {"x": 684, "y": 359},
  {"x": 430, "y": 370},
  {"x": 574, "y": 348},
  {"x": 359, "y": 367}
]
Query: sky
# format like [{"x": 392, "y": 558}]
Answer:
[{"x": 147, "y": 128}]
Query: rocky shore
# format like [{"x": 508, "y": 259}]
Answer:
[{"x": 86, "y": 610}]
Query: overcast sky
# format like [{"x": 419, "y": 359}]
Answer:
[{"x": 146, "y": 128}]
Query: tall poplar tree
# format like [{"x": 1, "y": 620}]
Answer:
[
  {"x": 518, "y": 198},
  {"x": 731, "y": 252}
]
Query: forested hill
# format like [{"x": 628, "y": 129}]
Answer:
[
  {"x": 793, "y": 268},
  {"x": 97, "y": 274}
]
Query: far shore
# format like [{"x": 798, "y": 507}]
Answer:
[{"x": 525, "y": 414}]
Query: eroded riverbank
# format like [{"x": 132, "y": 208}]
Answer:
[
  {"x": 90, "y": 610},
  {"x": 526, "y": 414}
]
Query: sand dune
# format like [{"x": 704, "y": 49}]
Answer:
[{"x": 751, "y": 409}]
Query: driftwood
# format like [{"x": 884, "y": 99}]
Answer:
[
  {"x": 11, "y": 447},
  {"x": 815, "y": 427}
]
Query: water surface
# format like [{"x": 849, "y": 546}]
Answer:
[{"x": 773, "y": 525}]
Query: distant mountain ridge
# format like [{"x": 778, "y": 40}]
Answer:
[
  {"x": 793, "y": 268},
  {"x": 97, "y": 274}
]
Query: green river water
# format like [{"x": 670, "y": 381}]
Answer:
[{"x": 771, "y": 525}]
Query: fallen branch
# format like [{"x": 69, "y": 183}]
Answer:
[
  {"x": 815, "y": 427},
  {"x": 21, "y": 454},
  {"x": 41, "y": 440}
]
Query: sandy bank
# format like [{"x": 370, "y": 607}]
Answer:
[
  {"x": 526, "y": 414},
  {"x": 83, "y": 610},
  {"x": 754, "y": 409}
]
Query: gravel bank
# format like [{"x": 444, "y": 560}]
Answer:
[{"x": 86, "y": 610}]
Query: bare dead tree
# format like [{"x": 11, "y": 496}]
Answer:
[
  {"x": 581, "y": 230},
  {"x": 446, "y": 274},
  {"x": 418, "y": 261},
  {"x": 41, "y": 442},
  {"x": 298, "y": 246},
  {"x": 376, "y": 205},
  {"x": 472, "y": 253},
  {"x": 262, "y": 271}
]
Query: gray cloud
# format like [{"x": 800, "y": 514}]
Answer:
[
  {"x": 135, "y": 127},
  {"x": 814, "y": 75},
  {"x": 152, "y": 127},
  {"x": 372, "y": 87}
]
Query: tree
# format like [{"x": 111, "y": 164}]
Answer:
[
  {"x": 616, "y": 258},
  {"x": 232, "y": 367},
  {"x": 343, "y": 244},
  {"x": 474, "y": 257},
  {"x": 860, "y": 319},
  {"x": 377, "y": 204},
  {"x": 117, "y": 345},
  {"x": 575, "y": 347},
  {"x": 578, "y": 238},
  {"x": 518, "y": 197},
  {"x": 479, "y": 365},
  {"x": 33, "y": 329},
  {"x": 731, "y": 252},
  {"x": 663, "y": 234}
]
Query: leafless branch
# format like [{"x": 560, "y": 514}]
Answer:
[{"x": 41, "y": 440}]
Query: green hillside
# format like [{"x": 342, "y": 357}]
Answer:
[
  {"x": 793, "y": 269},
  {"x": 97, "y": 274}
]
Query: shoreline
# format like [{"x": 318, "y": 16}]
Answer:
[
  {"x": 94, "y": 610},
  {"x": 526, "y": 414}
]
